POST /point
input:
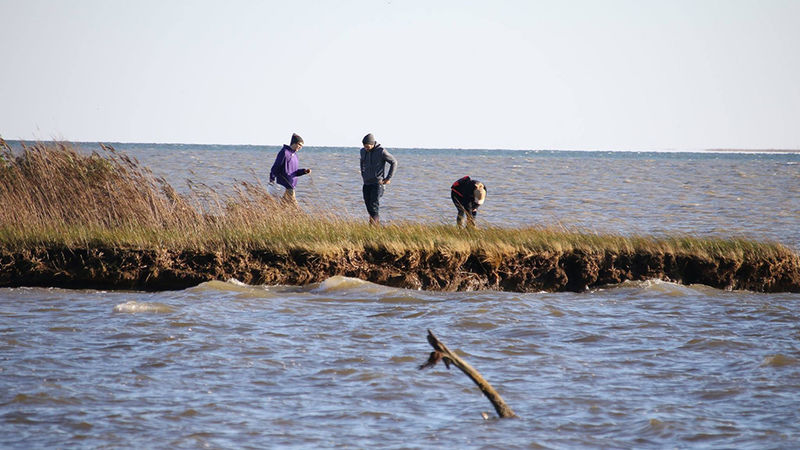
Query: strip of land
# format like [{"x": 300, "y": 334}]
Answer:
[
  {"x": 101, "y": 220},
  {"x": 437, "y": 269}
]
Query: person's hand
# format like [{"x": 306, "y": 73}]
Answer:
[
  {"x": 308, "y": 171},
  {"x": 386, "y": 181}
]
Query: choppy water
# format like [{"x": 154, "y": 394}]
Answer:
[
  {"x": 223, "y": 365},
  {"x": 334, "y": 365}
]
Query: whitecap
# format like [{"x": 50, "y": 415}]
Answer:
[
  {"x": 133, "y": 307},
  {"x": 240, "y": 290},
  {"x": 341, "y": 283},
  {"x": 667, "y": 288},
  {"x": 232, "y": 285},
  {"x": 355, "y": 289}
]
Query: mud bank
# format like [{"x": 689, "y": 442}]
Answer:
[{"x": 439, "y": 270}]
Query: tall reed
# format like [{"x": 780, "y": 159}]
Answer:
[{"x": 53, "y": 191}]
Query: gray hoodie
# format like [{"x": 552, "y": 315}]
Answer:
[{"x": 373, "y": 164}]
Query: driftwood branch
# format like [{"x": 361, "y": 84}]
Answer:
[{"x": 442, "y": 353}]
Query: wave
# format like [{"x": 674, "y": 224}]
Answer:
[
  {"x": 233, "y": 286},
  {"x": 349, "y": 289},
  {"x": 340, "y": 283},
  {"x": 354, "y": 289},
  {"x": 665, "y": 288},
  {"x": 331, "y": 285},
  {"x": 133, "y": 307},
  {"x": 335, "y": 288}
]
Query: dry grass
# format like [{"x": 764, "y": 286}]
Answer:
[{"x": 52, "y": 194}]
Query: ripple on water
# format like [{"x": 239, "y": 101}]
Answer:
[
  {"x": 474, "y": 324},
  {"x": 42, "y": 398},
  {"x": 719, "y": 393},
  {"x": 779, "y": 360},
  {"x": 19, "y": 417},
  {"x": 553, "y": 311},
  {"x": 715, "y": 344},
  {"x": 63, "y": 329},
  {"x": 584, "y": 338}
]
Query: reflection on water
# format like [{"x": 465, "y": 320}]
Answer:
[{"x": 645, "y": 364}]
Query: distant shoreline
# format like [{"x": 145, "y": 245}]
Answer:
[
  {"x": 736, "y": 150},
  {"x": 15, "y": 142}
]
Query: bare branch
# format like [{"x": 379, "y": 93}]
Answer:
[{"x": 441, "y": 352}]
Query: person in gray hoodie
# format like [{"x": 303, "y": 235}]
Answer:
[{"x": 373, "y": 165}]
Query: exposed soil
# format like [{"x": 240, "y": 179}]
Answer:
[{"x": 107, "y": 268}]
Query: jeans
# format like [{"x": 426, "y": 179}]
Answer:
[{"x": 372, "y": 197}]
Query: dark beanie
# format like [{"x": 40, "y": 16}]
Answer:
[
  {"x": 368, "y": 139},
  {"x": 296, "y": 139}
]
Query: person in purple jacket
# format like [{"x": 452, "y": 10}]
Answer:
[{"x": 285, "y": 170}]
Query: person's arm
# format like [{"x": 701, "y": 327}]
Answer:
[
  {"x": 300, "y": 172},
  {"x": 387, "y": 157}
]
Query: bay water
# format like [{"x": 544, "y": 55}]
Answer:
[{"x": 335, "y": 364}]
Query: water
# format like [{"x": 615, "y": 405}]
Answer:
[{"x": 646, "y": 364}]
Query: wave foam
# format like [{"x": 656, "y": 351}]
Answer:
[
  {"x": 133, "y": 307},
  {"x": 341, "y": 283},
  {"x": 231, "y": 285},
  {"x": 661, "y": 287}
]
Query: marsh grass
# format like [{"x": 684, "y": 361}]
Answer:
[{"x": 51, "y": 194}]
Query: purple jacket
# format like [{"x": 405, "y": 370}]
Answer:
[{"x": 285, "y": 168}]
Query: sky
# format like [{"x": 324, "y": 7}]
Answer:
[{"x": 572, "y": 75}]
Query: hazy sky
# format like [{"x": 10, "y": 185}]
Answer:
[{"x": 596, "y": 74}]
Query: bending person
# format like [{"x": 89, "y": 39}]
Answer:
[{"x": 467, "y": 195}]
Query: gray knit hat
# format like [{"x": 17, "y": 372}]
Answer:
[
  {"x": 368, "y": 139},
  {"x": 296, "y": 139}
]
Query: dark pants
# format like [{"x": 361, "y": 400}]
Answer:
[
  {"x": 463, "y": 210},
  {"x": 372, "y": 197}
]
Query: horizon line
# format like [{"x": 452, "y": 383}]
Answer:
[{"x": 623, "y": 150}]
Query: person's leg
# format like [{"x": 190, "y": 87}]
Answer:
[
  {"x": 471, "y": 218},
  {"x": 460, "y": 218},
  {"x": 288, "y": 198},
  {"x": 377, "y": 205},
  {"x": 461, "y": 210},
  {"x": 371, "y": 197}
]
